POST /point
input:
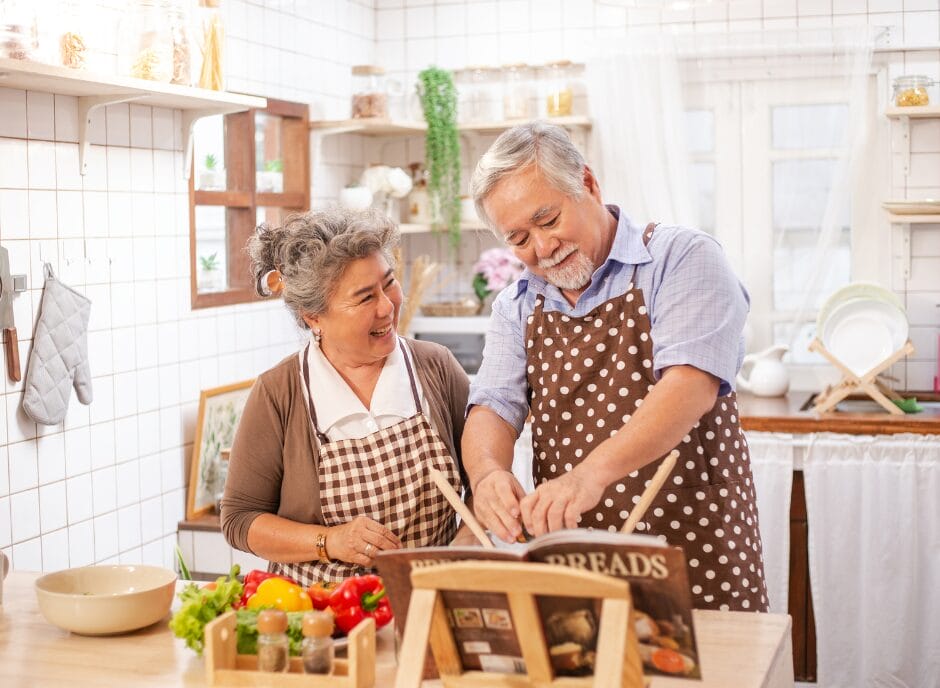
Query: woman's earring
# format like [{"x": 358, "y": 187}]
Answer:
[{"x": 317, "y": 336}]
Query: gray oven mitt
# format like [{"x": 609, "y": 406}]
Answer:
[{"x": 59, "y": 355}]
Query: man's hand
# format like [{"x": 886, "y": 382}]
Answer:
[
  {"x": 496, "y": 504},
  {"x": 560, "y": 502}
]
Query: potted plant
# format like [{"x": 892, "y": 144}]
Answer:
[
  {"x": 495, "y": 270},
  {"x": 209, "y": 275},
  {"x": 442, "y": 149},
  {"x": 271, "y": 180},
  {"x": 211, "y": 177}
]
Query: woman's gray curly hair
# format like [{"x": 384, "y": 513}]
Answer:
[{"x": 312, "y": 250}]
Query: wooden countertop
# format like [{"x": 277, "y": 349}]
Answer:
[
  {"x": 856, "y": 416},
  {"x": 737, "y": 649}
]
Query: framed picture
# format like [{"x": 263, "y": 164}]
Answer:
[{"x": 220, "y": 409}]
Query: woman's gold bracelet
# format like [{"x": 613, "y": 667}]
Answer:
[{"x": 322, "y": 554}]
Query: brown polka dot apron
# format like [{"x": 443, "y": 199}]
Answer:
[
  {"x": 586, "y": 376},
  {"x": 383, "y": 476}
]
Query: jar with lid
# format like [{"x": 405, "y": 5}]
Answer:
[
  {"x": 210, "y": 35},
  {"x": 146, "y": 41},
  {"x": 68, "y": 42},
  {"x": 559, "y": 95},
  {"x": 273, "y": 644},
  {"x": 910, "y": 91},
  {"x": 19, "y": 35},
  {"x": 317, "y": 650},
  {"x": 370, "y": 98},
  {"x": 480, "y": 95},
  {"x": 517, "y": 91},
  {"x": 182, "y": 43}
]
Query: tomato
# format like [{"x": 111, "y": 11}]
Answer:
[
  {"x": 320, "y": 594},
  {"x": 281, "y": 594}
]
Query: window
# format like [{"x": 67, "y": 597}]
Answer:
[
  {"x": 762, "y": 165},
  {"x": 248, "y": 168}
]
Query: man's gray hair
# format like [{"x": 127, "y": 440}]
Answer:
[
  {"x": 545, "y": 145},
  {"x": 312, "y": 250}
]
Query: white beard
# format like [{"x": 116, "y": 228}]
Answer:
[{"x": 571, "y": 277}]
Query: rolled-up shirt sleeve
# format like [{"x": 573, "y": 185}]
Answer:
[
  {"x": 698, "y": 309},
  {"x": 500, "y": 383}
]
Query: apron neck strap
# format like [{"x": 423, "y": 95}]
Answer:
[
  {"x": 647, "y": 235},
  {"x": 312, "y": 408}
]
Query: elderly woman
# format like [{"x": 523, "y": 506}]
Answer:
[{"x": 330, "y": 462}]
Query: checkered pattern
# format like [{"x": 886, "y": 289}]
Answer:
[{"x": 384, "y": 476}]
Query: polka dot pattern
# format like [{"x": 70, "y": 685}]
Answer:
[{"x": 580, "y": 398}]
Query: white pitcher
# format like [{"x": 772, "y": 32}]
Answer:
[{"x": 764, "y": 373}]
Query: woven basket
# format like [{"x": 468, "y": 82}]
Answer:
[{"x": 464, "y": 308}]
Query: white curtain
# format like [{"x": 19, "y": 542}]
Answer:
[
  {"x": 873, "y": 507},
  {"x": 772, "y": 465},
  {"x": 638, "y": 143}
]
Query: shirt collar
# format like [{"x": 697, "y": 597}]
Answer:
[
  {"x": 628, "y": 249},
  {"x": 336, "y": 402}
]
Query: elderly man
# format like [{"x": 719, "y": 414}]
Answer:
[{"x": 622, "y": 343}]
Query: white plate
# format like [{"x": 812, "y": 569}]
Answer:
[
  {"x": 928, "y": 206},
  {"x": 854, "y": 290},
  {"x": 863, "y": 332}
]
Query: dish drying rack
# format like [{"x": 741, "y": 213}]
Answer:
[{"x": 852, "y": 383}]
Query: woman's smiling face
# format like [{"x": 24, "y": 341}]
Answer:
[{"x": 360, "y": 324}]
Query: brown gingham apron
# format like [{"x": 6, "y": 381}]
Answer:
[
  {"x": 586, "y": 375},
  {"x": 383, "y": 476}
]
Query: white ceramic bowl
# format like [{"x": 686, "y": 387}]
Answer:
[{"x": 105, "y": 600}]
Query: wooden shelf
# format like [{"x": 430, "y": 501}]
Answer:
[
  {"x": 98, "y": 90},
  {"x": 411, "y": 228},
  {"x": 476, "y": 324},
  {"x": 896, "y": 219},
  {"x": 916, "y": 112},
  {"x": 385, "y": 127}
]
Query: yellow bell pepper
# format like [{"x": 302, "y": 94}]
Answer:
[{"x": 280, "y": 594}]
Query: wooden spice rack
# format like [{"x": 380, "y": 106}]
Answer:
[{"x": 225, "y": 667}]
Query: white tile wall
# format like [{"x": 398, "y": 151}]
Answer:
[{"x": 109, "y": 483}]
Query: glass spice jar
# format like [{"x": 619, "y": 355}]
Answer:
[
  {"x": 146, "y": 50},
  {"x": 182, "y": 43},
  {"x": 911, "y": 91},
  {"x": 317, "y": 649},
  {"x": 210, "y": 34},
  {"x": 517, "y": 91},
  {"x": 273, "y": 644},
  {"x": 559, "y": 95},
  {"x": 19, "y": 35},
  {"x": 370, "y": 98}
]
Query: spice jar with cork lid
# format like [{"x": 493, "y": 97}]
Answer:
[
  {"x": 370, "y": 98},
  {"x": 317, "y": 651},
  {"x": 273, "y": 645}
]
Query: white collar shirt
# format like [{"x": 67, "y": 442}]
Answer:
[{"x": 340, "y": 413}]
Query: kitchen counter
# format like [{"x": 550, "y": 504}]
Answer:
[
  {"x": 794, "y": 413},
  {"x": 737, "y": 649}
]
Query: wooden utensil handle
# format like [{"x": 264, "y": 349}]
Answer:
[
  {"x": 12, "y": 347},
  {"x": 665, "y": 468}
]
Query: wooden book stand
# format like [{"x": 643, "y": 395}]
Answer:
[
  {"x": 617, "y": 651},
  {"x": 224, "y": 667},
  {"x": 852, "y": 383}
]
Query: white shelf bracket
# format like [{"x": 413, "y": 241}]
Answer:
[
  {"x": 906, "y": 251},
  {"x": 87, "y": 105},
  {"x": 187, "y": 122},
  {"x": 906, "y": 137}
]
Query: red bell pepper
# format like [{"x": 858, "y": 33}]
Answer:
[
  {"x": 252, "y": 581},
  {"x": 359, "y": 598},
  {"x": 319, "y": 594}
]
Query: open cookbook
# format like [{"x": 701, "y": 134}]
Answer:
[{"x": 483, "y": 627}]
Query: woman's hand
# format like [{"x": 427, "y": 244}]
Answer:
[{"x": 358, "y": 541}]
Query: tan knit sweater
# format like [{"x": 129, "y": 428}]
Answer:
[{"x": 274, "y": 460}]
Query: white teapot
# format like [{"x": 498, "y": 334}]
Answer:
[{"x": 764, "y": 373}]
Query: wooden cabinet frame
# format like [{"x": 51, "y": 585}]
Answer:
[{"x": 241, "y": 200}]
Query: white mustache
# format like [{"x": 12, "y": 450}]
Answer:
[{"x": 558, "y": 257}]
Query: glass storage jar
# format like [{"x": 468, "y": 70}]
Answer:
[
  {"x": 370, "y": 98},
  {"x": 182, "y": 43},
  {"x": 70, "y": 44},
  {"x": 559, "y": 95},
  {"x": 146, "y": 48},
  {"x": 911, "y": 90},
  {"x": 517, "y": 91},
  {"x": 19, "y": 36},
  {"x": 210, "y": 34}
]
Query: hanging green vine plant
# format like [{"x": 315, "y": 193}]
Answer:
[{"x": 442, "y": 147}]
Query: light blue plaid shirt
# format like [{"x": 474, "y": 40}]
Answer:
[{"x": 696, "y": 304}]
